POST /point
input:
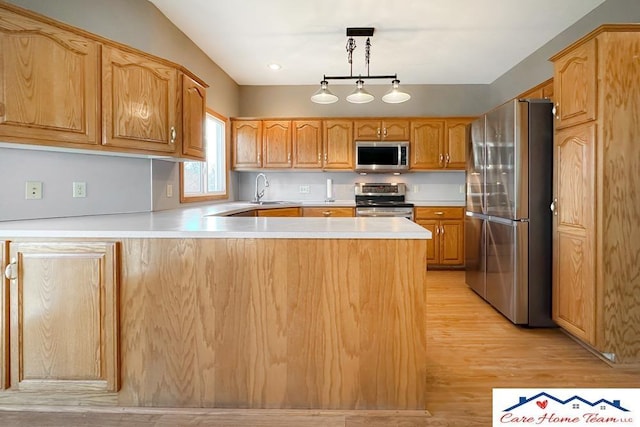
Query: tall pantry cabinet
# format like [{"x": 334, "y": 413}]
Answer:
[{"x": 596, "y": 232}]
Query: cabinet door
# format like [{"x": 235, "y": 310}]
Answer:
[
  {"x": 395, "y": 130},
  {"x": 246, "y": 137},
  {"x": 48, "y": 84},
  {"x": 455, "y": 144},
  {"x": 427, "y": 141},
  {"x": 139, "y": 101},
  {"x": 574, "y": 285},
  {"x": 328, "y": 212},
  {"x": 575, "y": 86},
  {"x": 307, "y": 144},
  {"x": 194, "y": 114},
  {"x": 367, "y": 130},
  {"x": 451, "y": 242},
  {"x": 4, "y": 317},
  {"x": 64, "y": 316},
  {"x": 276, "y": 144},
  {"x": 338, "y": 144},
  {"x": 279, "y": 212},
  {"x": 433, "y": 244}
]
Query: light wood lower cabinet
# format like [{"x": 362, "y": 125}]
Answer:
[
  {"x": 4, "y": 317},
  {"x": 278, "y": 212},
  {"x": 63, "y": 317},
  {"x": 446, "y": 247},
  {"x": 328, "y": 212}
]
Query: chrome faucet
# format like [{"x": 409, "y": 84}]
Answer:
[{"x": 260, "y": 194}]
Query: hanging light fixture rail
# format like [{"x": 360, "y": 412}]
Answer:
[{"x": 360, "y": 95}]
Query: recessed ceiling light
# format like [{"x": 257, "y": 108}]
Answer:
[{"x": 275, "y": 67}]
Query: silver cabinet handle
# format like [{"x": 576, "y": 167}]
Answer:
[
  {"x": 441, "y": 230},
  {"x": 385, "y": 132},
  {"x": 325, "y": 157},
  {"x": 10, "y": 271},
  {"x": 437, "y": 230},
  {"x": 174, "y": 134},
  {"x": 554, "y": 207},
  {"x": 378, "y": 132},
  {"x": 556, "y": 110},
  {"x": 326, "y": 213},
  {"x": 319, "y": 157},
  {"x": 441, "y": 160},
  {"x": 438, "y": 213},
  {"x": 288, "y": 157},
  {"x": 447, "y": 159}
]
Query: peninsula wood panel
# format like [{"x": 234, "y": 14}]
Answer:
[
  {"x": 64, "y": 317},
  {"x": 274, "y": 323},
  {"x": 49, "y": 81},
  {"x": 328, "y": 212},
  {"x": 278, "y": 212}
]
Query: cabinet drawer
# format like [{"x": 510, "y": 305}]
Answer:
[
  {"x": 439, "y": 212},
  {"x": 327, "y": 212},
  {"x": 279, "y": 212}
]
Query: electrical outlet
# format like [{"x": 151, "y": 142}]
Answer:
[
  {"x": 304, "y": 189},
  {"x": 169, "y": 190},
  {"x": 461, "y": 189},
  {"x": 33, "y": 190},
  {"x": 79, "y": 189},
  {"x": 415, "y": 188}
]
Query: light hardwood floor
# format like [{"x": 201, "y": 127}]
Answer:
[{"x": 471, "y": 348}]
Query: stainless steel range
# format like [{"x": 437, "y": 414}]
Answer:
[{"x": 382, "y": 199}]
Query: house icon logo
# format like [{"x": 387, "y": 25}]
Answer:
[{"x": 566, "y": 407}]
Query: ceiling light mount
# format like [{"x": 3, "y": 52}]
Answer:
[{"x": 360, "y": 95}]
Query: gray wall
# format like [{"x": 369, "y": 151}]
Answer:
[
  {"x": 426, "y": 100},
  {"x": 536, "y": 68},
  {"x": 139, "y": 24}
]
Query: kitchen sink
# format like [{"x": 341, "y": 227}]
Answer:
[{"x": 269, "y": 202}]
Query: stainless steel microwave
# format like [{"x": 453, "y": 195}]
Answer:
[{"x": 382, "y": 156}]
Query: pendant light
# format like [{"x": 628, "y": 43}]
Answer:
[
  {"x": 360, "y": 95},
  {"x": 395, "y": 95},
  {"x": 324, "y": 95}
]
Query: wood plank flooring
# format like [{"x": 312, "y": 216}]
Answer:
[{"x": 471, "y": 348}]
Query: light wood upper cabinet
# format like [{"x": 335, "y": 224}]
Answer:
[
  {"x": 575, "y": 86},
  {"x": 375, "y": 130},
  {"x": 542, "y": 91},
  {"x": 438, "y": 143},
  {"x": 307, "y": 144},
  {"x": 426, "y": 143},
  {"x": 64, "y": 317},
  {"x": 455, "y": 143},
  {"x": 247, "y": 144},
  {"x": 338, "y": 145},
  {"x": 276, "y": 144},
  {"x": 49, "y": 84},
  {"x": 140, "y": 102},
  {"x": 194, "y": 115}
]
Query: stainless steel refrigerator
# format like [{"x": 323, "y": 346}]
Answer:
[{"x": 508, "y": 221}]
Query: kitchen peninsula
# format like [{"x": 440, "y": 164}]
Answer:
[{"x": 184, "y": 309}]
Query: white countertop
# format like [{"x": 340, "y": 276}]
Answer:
[{"x": 202, "y": 222}]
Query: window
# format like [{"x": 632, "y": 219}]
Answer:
[{"x": 202, "y": 181}]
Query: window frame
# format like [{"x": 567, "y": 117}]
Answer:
[{"x": 227, "y": 165}]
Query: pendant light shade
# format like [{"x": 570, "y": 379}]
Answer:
[
  {"x": 360, "y": 95},
  {"x": 324, "y": 95},
  {"x": 395, "y": 95}
]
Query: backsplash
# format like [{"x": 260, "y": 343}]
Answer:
[{"x": 421, "y": 186}]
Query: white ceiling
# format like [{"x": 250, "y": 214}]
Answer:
[{"x": 423, "y": 41}]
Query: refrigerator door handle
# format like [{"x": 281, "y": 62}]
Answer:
[{"x": 554, "y": 207}]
